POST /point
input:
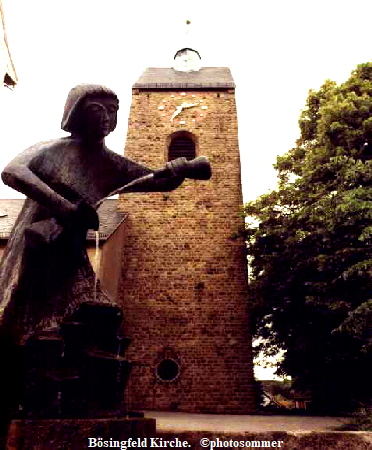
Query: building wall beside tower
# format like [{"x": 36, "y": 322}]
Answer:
[{"x": 184, "y": 268}]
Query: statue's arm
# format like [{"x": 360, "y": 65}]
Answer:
[
  {"x": 172, "y": 175},
  {"x": 149, "y": 183},
  {"x": 19, "y": 176},
  {"x": 131, "y": 171}
]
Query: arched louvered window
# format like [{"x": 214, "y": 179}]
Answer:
[{"x": 181, "y": 145}]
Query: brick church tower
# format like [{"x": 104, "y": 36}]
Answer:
[{"x": 184, "y": 269}]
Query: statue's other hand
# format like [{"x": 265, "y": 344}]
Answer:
[{"x": 86, "y": 215}]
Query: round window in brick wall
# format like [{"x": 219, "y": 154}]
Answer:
[{"x": 168, "y": 369}]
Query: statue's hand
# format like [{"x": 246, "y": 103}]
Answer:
[{"x": 86, "y": 215}]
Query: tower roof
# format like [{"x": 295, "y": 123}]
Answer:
[{"x": 168, "y": 78}]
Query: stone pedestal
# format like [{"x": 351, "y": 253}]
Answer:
[
  {"x": 77, "y": 369},
  {"x": 62, "y": 434}
]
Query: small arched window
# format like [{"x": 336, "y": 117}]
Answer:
[{"x": 181, "y": 145}]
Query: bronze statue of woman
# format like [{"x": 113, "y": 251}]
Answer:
[{"x": 45, "y": 273}]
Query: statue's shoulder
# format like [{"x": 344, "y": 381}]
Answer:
[
  {"x": 37, "y": 151},
  {"x": 46, "y": 146},
  {"x": 52, "y": 144}
]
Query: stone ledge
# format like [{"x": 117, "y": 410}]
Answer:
[
  {"x": 316, "y": 440},
  {"x": 62, "y": 434}
]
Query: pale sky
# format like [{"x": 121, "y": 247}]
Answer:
[{"x": 276, "y": 50}]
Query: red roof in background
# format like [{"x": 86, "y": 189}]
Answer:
[{"x": 109, "y": 217}]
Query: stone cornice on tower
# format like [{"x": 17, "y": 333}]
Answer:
[{"x": 168, "y": 78}]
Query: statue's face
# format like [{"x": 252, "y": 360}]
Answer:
[{"x": 98, "y": 116}]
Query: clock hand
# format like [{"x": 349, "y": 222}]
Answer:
[
  {"x": 180, "y": 108},
  {"x": 189, "y": 105},
  {"x": 176, "y": 112}
]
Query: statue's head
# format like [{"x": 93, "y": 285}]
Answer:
[{"x": 90, "y": 111}]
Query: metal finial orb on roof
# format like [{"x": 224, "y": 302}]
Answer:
[
  {"x": 182, "y": 50},
  {"x": 187, "y": 59}
]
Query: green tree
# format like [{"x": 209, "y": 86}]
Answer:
[{"x": 311, "y": 254}]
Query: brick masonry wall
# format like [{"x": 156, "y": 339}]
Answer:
[{"x": 184, "y": 277}]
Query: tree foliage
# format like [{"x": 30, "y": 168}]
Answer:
[{"x": 311, "y": 255}]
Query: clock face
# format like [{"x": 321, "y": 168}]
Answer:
[
  {"x": 187, "y": 61},
  {"x": 183, "y": 109}
]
